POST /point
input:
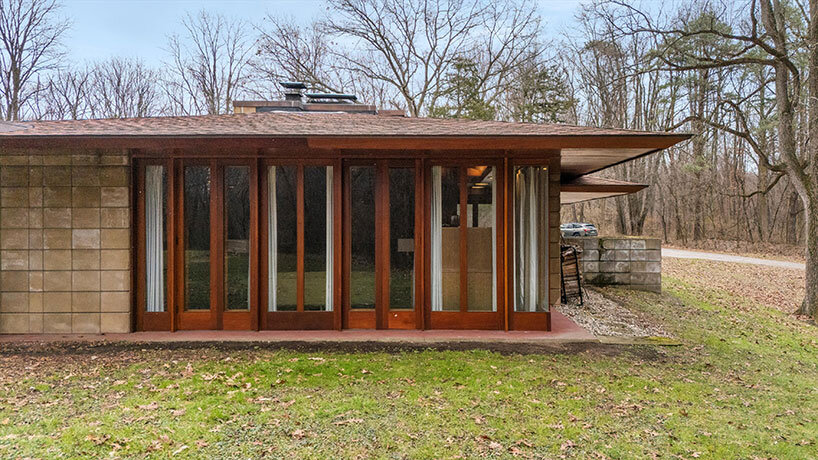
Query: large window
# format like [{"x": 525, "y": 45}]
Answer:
[
  {"x": 463, "y": 239},
  {"x": 300, "y": 238},
  {"x": 237, "y": 238},
  {"x": 401, "y": 238},
  {"x": 362, "y": 236},
  {"x": 197, "y": 237},
  {"x": 530, "y": 238}
]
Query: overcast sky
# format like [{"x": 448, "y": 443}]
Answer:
[{"x": 105, "y": 28}]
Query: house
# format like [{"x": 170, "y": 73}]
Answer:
[{"x": 316, "y": 214}]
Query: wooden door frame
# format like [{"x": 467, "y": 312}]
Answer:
[
  {"x": 299, "y": 319},
  {"x": 359, "y": 318},
  {"x": 152, "y": 321},
  {"x": 239, "y": 319},
  {"x": 216, "y": 317},
  {"x": 518, "y": 320},
  {"x": 465, "y": 319},
  {"x": 403, "y": 318},
  {"x": 382, "y": 317}
]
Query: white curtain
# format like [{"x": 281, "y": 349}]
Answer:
[
  {"x": 531, "y": 238},
  {"x": 437, "y": 238},
  {"x": 272, "y": 240},
  {"x": 154, "y": 251},
  {"x": 330, "y": 253}
]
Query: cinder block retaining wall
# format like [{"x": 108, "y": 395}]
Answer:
[
  {"x": 633, "y": 263},
  {"x": 65, "y": 242}
]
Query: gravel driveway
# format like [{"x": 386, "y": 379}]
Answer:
[{"x": 684, "y": 254}]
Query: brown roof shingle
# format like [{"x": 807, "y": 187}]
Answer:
[{"x": 298, "y": 124}]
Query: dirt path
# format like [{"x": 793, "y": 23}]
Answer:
[{"x": 684, "y": 254}]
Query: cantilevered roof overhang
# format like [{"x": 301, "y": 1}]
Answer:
[
  {"x": 586, "y": 188},
  {"x": 584, "y": 149}
]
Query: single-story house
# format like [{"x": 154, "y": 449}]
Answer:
[{"x": 292, "y": 215}]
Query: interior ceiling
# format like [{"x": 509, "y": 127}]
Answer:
[{"x": 577, "y": 162}]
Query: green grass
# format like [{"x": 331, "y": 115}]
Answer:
[{"x": 744, "y": 384}]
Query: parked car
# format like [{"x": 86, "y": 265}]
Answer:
[{"x": 578, "y": 229}]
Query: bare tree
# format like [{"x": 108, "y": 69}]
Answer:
[
  {"x": 123, "y": 88},
  {"x": 401, "y": 52},
  {"x": 63, "y": 95},
  {"x": 30, "y": 31},
  {"x": 207, "y": 65},
  {"x": 766, "y": 33}
]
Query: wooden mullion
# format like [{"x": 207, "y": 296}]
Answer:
[
  {"x": 347, "y": 246},
  {"x": 464, "y": 242},
  {"x": 264, "y": 250},
  {"x": 300, "y": 238},
  {"x": 427, "y": 246},
  {"x": 170, "y": 281},
  {"x": 337, "y": 263},
  {"x": 254, "y": 254},
  {"x": 217, "y": 218},
  {"x": 382, "y": 222},
  {"x": 420, "y": 238},
  {"x": 180, "y": 243}
]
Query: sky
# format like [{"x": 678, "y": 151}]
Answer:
[{"x": 139, "y": 28}]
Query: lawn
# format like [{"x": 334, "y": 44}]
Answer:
[{"x": 744, "y": 384}]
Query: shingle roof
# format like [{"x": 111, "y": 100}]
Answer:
[{"x": 296, "y": 124}]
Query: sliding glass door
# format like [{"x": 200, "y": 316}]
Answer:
[
  {"x": 380, "y": 217},
  {"x": 217, "y": 224},
  {"x": 298, "y": 245},
  {"x": 463, "y": 245}
]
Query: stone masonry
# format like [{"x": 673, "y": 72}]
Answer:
[
  {"x": 633, "y": 263},
  {"x": 65, "y": 242}
]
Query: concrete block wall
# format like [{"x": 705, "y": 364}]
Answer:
[
  {"x": 65, "y": 242},
  {"x": 633, "y": 263}
]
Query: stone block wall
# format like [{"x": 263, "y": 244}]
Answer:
[
  {"x": 633, "y": 263},
  {"x": 65, "y": 242}
]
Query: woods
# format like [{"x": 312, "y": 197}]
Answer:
[{"x": 741, "y": 76}]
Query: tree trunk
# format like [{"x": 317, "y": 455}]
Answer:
[
  {"x": 791, "y": 228},
  {"x": 810, "y": 305}
]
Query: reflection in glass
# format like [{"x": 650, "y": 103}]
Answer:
[
  {"x": 362, "y": 231},
  {"x": 156, "y": 242},
  {"x": 481, "y": 239},
  {"x": 237, "y": 237},
  {"x": 401, "y": 238},
  {"x": 445, "y": 239},
  {"x": 317, "y": 240},
  {"x": 197, "y": 237},
  {"x": 531, "y": 238},
  {"x": 283, "y": 234}
]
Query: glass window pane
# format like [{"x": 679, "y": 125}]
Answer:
[
  {"x": 316, "y": 237},
  {"x": 481, "y": 238},
  {"x": 450, "y": 238},
  {"x": 197, "y": 237},
  {"x": 156, "y": 242},
  {"x": 401, "y": 238},
  {"x": 362, "y": 231},
  {"x": 284, "y": 235},
  {"x": 531, "y": 238},
  {"x": 237, "y": 237}
]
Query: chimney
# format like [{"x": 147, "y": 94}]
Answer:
[{"x": 293, "y": 90}]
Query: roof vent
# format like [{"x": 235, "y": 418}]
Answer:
[
  {"x": 293, "y": 90},
  {"x": 331, "y": 98}
]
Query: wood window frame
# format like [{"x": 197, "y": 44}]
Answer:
[
  {"x": 465, "y": 319},
  {"x": 216, "y": 317},
  {"x": 524, "y": 320},
  {"x": 299, "y": 319},
  {"x": 153, "y": 321}
]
